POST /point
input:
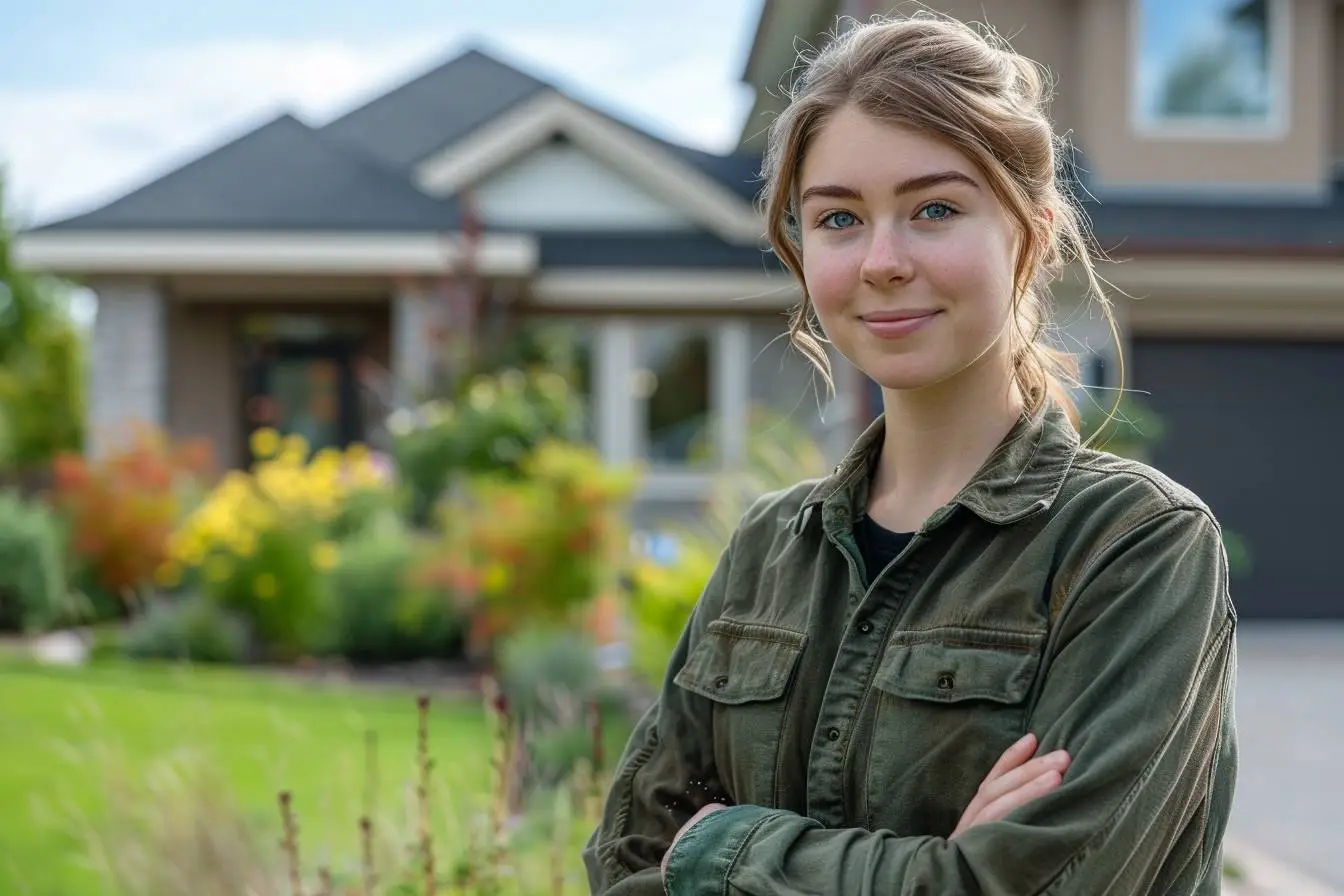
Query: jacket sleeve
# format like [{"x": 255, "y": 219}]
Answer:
[
  {"x": 665, "y": 775},
  {"x": 1137, "y": 691}
]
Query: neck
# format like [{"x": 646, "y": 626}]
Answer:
[{"x": 937, "y": 438}]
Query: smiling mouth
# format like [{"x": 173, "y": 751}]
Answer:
[
  {"x": 893, "y": 317},
  {"x": 897, "y": 324}
]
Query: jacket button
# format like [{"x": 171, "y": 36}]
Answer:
[
  {"x": 721, "y": 682},
  {"x": 833, "y": 734},
  {"x": 865, "y": 626},
  {"x": 947, "y": 681}
]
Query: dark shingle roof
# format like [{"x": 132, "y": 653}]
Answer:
[
  {"x": 282, "y": 176},
  {"x": 413, "y": 121}
]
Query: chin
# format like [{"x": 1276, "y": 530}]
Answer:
[{"x": 902, "y": 373}]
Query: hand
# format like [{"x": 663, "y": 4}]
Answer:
[
  {"x": 1015, "y": 780},
  {"x": 708, "y": 809}
]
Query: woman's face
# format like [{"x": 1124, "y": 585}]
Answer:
[{"x": 907, "y": 254}]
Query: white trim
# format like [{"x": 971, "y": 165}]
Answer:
[
  {"x": 166, "y": 252},
  {"x": 1280, "y": 72},
  {"x": 1229, "y": 279},
  {"x": 664, "y": 288},
  {"x": 731, "y": 385},
  {"x": 523, "y": 128}
]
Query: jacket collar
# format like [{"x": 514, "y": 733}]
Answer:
[{"x": 1022, "y": 477}]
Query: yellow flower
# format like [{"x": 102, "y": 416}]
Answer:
[
  {"x": 169, "y": 574},
  {"x": 325, "y": 556},
  {"x": 294, "y": 449},
  {"x": 218, "y": 569},
  {"x": 265, "y": 442},
  {"x": 265, "y": 586},
  {"x": 495, "y": 578}
]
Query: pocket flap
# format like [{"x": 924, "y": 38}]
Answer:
[
  {"x": 737, "y": 662},
  {"x": 953, "y": 664}
]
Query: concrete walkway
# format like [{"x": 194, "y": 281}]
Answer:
[{"x": 1289, "y": 804}]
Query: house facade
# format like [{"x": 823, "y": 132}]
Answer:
[{"x": 261, "y": 283}]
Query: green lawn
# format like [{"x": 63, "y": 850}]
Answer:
[{"x": 71, "y": 740}]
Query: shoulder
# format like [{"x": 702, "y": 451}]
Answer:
[
  {"x": 1132, "y": 524},
  {"x": 771, "y": 516},
  {"x": 1102, "y": 482}
]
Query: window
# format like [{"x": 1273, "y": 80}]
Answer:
[
  {"x": 672, "y": 379},
  {"x": 1211, "y": 65}
]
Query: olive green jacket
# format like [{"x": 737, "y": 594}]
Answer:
[{"x": 847, "y": 716}]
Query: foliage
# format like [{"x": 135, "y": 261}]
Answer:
[
  {"x": 498, "y": 421},
  {"x": 122, "y": 508},
  {"x": 33, "y": 588},
  {"x": 190, "y": 628},
  {"x": 260, "y": 541},
  {"x": 381, "y": 613},
  {"x": 41, "y": 364},
  {"x": 552, "y": 685},
  {"x": 540, "y": 547}
]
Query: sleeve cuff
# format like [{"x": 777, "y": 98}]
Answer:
[{"x": 702, "y": 858}]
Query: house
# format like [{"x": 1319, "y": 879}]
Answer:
[
  {"x": 1208, "y": 134},
  {"x": 261, "y": 284}
]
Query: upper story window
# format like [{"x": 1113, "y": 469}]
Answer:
[{"x": 1212, "y": 66}]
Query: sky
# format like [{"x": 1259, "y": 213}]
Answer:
[{"x": 97, "y": 98}]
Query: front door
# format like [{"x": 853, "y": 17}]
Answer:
[{"x": 306, "y": 388}]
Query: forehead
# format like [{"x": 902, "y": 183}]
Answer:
[{"x": 853, "y": 148}]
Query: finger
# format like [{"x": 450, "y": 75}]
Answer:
[
  {"x": 1014, "y": 756},
  {"x": 1034, "y": 789},
  {"x": 1011, "y": 780}
]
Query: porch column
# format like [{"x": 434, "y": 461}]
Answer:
[
  {"x": 128, "y": 382},
  {"x": 412, "y": 360}
]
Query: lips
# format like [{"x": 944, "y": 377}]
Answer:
[
  {"x": 886, "y": 317},
  {"x": 898, "y": 324}
]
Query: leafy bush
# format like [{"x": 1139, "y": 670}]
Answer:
[
  {"x": 191, "y": 628},
  {"x": 122, "y": 509},
  {"x": 381, "y": 613},
  {"x": 499, "y": 420},
  {"x": 33, "y": 588},
  {"x": 538, "y": 548},
  {"x": 260, "y": 543},
  {"x": 551, "y": 683},
  {"x": 41, "y": 363}
]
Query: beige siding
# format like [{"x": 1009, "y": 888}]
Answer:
[
  {"x": 1120, "y": 157},
  {"x": 203, "y": 381},
  {"x": 1335, "y": 106}
]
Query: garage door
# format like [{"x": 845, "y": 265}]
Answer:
[{"x": 1257, "y": 429}]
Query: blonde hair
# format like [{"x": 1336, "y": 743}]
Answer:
[{"x": 939, "y": 76}]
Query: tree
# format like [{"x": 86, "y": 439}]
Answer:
[{"x": 41, "y": 363}]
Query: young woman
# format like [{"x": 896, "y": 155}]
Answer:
[{"x": 978, "y": 658}]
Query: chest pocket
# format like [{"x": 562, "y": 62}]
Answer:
[
  {"x": 949, "y": 702},
  {"x": 747, "y": 671}
]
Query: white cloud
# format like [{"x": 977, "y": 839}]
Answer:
[{"x": 70, "y": 148}]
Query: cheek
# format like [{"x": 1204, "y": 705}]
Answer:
[{"x": 831, "y": 276}]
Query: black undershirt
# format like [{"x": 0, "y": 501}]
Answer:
[{"x": 878, "y": 546}]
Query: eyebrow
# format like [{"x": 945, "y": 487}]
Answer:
[{"x": 922, "y": 182}]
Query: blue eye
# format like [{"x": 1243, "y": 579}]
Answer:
[
  {"x": 838, "y": 220},
  {"x": 942, "y": 209}
]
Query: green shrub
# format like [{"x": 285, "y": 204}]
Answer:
[
  {"x": 191, "y": 628},
  {"x": 33, "y": 587},
  {"x": 380, "y": 613},
  {"x": 551, "y": 682}
]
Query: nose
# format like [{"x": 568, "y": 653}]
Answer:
[{"x": 888, "y": 258}]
